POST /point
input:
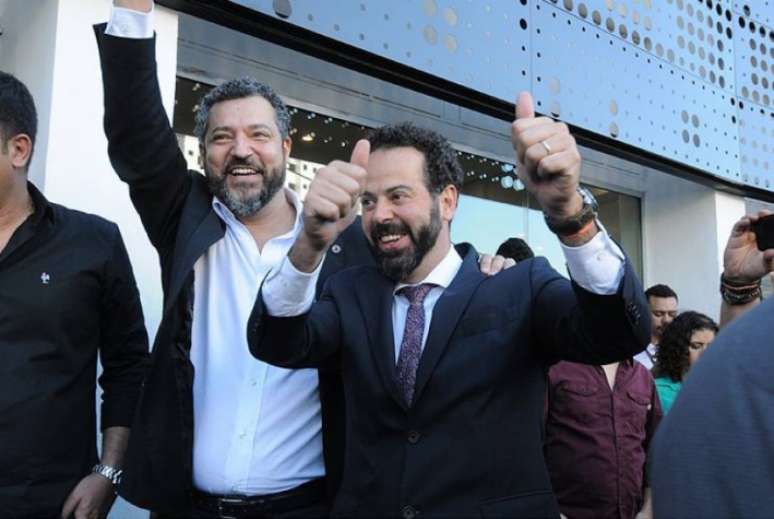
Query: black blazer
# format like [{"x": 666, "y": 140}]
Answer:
[
  {"x": 175, "y": 206},
  {"x": 471, "y": 444}
]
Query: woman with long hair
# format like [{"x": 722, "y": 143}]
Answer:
[{"x": 682, "y": 343}]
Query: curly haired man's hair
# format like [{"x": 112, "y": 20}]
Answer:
[
  {"x": 441, "y": 164},
  {"x": 673, "y": 358}
]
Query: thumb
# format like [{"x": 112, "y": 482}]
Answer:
[
  {"x": 525, "y": 107},
  {"x": 360, "y": 154}
]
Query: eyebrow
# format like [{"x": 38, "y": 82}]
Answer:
[
  {"x": 251, "y": 127},
  {"x": 389, "y": 190}
]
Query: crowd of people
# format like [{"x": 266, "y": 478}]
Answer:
[{"x": 341, "y": 356}]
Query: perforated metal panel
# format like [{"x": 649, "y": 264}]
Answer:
[{"x": 689, "y": 80}]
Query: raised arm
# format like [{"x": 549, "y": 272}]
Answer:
[
  {"x": 602, "y": 316},
  {"x": 285, "y": 328},
  {"x": 141, "y": 143}
]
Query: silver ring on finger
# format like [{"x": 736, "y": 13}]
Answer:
[{"x": 547, "y": 147}]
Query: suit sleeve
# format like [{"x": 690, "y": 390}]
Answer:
[
  {"x": 142, "y": 146},
  {"x": 309, "y": 340},
  {"x": 124, "y": 340},
  {"x": 573, "y": 324}
]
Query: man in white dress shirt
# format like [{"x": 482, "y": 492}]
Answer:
[{"x": 662, "y": 302}]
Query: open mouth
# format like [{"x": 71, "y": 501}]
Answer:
[
  {"x": 393, "y": 241},
  {"x": 243, "y": 171}
]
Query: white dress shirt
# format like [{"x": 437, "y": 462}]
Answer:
[
  {"x": 596, "y": 266},
  {"x": 257, "y": 428},
  {"x": 646, "y": 356}
]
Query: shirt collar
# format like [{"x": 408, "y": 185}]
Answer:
[
  {"x": 443, "y": 273},
  {"x": 231, "y": 220},
  {"x": 43, "y": 208}
]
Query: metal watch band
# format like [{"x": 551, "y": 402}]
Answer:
[
  {"x": 575, "y": 223},
  {"x": 111, "y": 473}
]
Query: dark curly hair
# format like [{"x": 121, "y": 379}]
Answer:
[
  {"x": 441, "y": 164},
  {"x": 673, "y": 358}
]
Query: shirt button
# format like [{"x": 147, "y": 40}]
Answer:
[
  {"x": 336, "y": 248},
  {"x": 413, "y": 437},
  {"x": 409, "y": 512}
]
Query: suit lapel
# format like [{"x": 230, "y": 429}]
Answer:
[
  {"x": 375, "y": 297},
  {"x": 446, "y": 314},
  {"x": 188, "y": 250}
]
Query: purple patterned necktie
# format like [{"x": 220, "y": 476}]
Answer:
[{"x": 411, "y": 345}]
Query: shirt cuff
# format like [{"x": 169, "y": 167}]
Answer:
[
  {"x": 288, "y": 292},
  {"x": 128, "y": 23},
  {"x": 597, "y": 266}
]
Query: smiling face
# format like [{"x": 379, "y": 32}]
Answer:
[
  {"x": 244, "y": 154},
  {"x": 406, "y": 225}
]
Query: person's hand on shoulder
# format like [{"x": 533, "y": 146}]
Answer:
[{"x": 144, "y": 6}]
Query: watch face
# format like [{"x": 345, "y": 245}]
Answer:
[{"x": 588, "y": 198}]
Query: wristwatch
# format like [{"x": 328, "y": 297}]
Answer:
[
  {"x": 573, "y": 224},
  {"x": 111, "y": 473}
]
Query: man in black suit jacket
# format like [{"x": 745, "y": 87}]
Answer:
[
  {"x": 178, "y": 212},
  {"x": 444, "y": 369}
]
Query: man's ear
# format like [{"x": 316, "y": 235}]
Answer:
[
  {"x": 449, "y": 198},
  {"x": 19, "y": 148},
  {"x": 287, "y": 145}
]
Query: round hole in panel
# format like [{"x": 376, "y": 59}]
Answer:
[
  {"x": 568, "y": 5},
  {"x": 681, "y": 41},
  {"x": 613, "y": 129},
  {"x": 691, "y": 29},
  {"x": 695, "y": 120},
  {"x": 336, "y": 27},
  {"x": 554, "y": 85},
  {"x": 623, "y": 31},
  {"x": 689, "y": 9},
  {"x": 450, "y": 42},
  {"x": 659, "y": 50},
  {"x": 680, "y": 22},
  {"x": 622, "y": 9},
  {"x": 670, "y": 55},
  {"x": 310, "y": 17},
  {"x": 691, "y": 47},
  {"x": 610, "y": 24},
  {"x": 647, "y": 4},
  {"x": 596, "y": 17},
  {"x": 635, "y": 16},
  {"x": 684, "y": 116},
  {"x": 754, "y": 78},
  {"x": 647, "y": 23},
  {"x": 583, "y": 11},
  {"x": 282, "y": 8},
  {"x": 679, "y": 4},
  {"x": 430, "y": 34},
  {"x": 686, "y": 136},
  {"x": 430, "y": 7},
  {"x": 523, "y": 24},
  {"x": 648, "y": 43},
  {"x": 613, "y": 107},
  {"x": 556, "y": 109},
  {"x": 450, "y": 15},
  {"x": 702, "y": 55},
  {"x": 609, "y": 4},
  {"x": 636, "y": 37}
]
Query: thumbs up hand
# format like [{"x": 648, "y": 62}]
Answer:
[
  {"x": 549, "y": 161},
  {"x": 330, "y": 206}
]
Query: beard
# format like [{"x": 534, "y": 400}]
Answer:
[
  {"x": 397, "y": 265},
  {"x": 238, "y": 199}
]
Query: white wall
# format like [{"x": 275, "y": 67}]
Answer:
[{"x": 685, "y": 228}]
